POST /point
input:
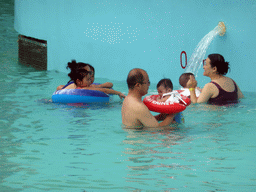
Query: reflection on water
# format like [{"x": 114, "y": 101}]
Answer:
[
  {"x": 205, "y": 148},
  {"x": 46, "y": 146},
  {"x": 154, "y": 150}
]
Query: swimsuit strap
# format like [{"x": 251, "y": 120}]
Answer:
[
  {"x": 224, "y": 97},
  {"x": 235, "y": 85},
  {"x": 69, "y": 83},
  {"x": 221, "y": 89},
  {"x": 217, "y": 85}
]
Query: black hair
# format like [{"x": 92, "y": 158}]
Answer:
[
  {"x": 218, "y": 61},
  {"x": 77, "y": 70},
  {"x": 92, "y": 68},
  {"x": 135, "y": 78},
  {"x": 184, "y": 79},
  {"x": 167, "y": 83}
]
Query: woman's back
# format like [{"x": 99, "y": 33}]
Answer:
[
  {"x": 225, "y": 92},
  {"x": 225, "y": 83}
]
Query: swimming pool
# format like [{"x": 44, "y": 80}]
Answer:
[{"x": 57, "y": 147}]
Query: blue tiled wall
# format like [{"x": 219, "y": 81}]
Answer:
[{"x": 118, "y": 35}]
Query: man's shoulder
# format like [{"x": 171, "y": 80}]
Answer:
[{"x": 134, "y": 103}]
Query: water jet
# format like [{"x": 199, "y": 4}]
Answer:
[{"x": 195, "y": 61}]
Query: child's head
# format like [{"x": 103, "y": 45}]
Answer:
[
  {"x": 80, "y": 73},
  {"x": 184, "y": 79},
  {"x": 164, "y": 86},
  {"x": 93, "y": 72}
]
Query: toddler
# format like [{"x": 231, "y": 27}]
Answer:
[
  {"x": 164, "y": 86},
  {"x": 183, "y": 82}
]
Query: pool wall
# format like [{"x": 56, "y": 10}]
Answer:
[{"x": 116, "y": 35}]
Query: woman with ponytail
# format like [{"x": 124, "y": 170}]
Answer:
[
  {"x": 74, "y": 66},
  {"x": 221, "y": 90},
  {"x": 81, "y": 78}
]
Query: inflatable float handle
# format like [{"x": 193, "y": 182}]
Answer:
[{"x": 175, "y": 94}]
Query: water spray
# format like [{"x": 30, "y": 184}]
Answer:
[{"x": 198, "y": 55}]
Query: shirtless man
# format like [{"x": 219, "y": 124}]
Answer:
[{"x": 134, "y": 112}]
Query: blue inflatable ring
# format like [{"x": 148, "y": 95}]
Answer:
[{"x": 79, "y": 96}]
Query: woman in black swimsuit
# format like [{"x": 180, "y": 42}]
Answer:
[{"x": 221, "y": 90}]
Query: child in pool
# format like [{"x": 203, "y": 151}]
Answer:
[
  {"x": 164, "y": 86},
  {"x": 92, "y": 70},
  {"x": 81, "y": 78},
  {"x": 103, "y": 85},
  {"x": 183, "y": 82}
]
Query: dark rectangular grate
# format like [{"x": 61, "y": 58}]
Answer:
[{"x": 33, "y": 52}]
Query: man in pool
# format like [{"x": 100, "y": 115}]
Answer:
[{"x": 134, "y": 112}]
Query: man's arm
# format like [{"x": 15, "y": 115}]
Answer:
[
  {"x": 168, "y": 120},
  {"x": 148, "y": 120},
  {"x": 160, "y": 117}
]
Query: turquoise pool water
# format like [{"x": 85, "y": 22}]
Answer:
[{"x": 55, "y": 147}]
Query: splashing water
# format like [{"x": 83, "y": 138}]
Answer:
[{"x": 195, "y": 61}]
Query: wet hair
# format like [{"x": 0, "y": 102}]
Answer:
[
  {"x": 218, "y": 61},
  {"x": 77, "y": 70},
  {"x": 92, "y": 68},
  {"x": 184, "y": 79},
  {"x": 167, "y": 83},
  {"x": 135, "y": 76}
]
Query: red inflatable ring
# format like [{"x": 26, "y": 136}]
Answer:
[{"x": 165, "y": 107}]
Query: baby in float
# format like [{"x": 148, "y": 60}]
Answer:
[
  {"x": 166, "y": 93},
  {"x": 164, "y": 86},
  {"x": 183, "y": 80},
  {"x": 168, "y": 101}
]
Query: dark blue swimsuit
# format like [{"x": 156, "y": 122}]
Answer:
[
  {"x": 69, "y": 83},
  {"x": 224, "y": 97}
]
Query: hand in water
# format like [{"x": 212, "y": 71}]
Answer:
[
  {"x": 192, "y": 83},
  {"x": 121, "y": 95},
  {"x": 171, "y": 116}
]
